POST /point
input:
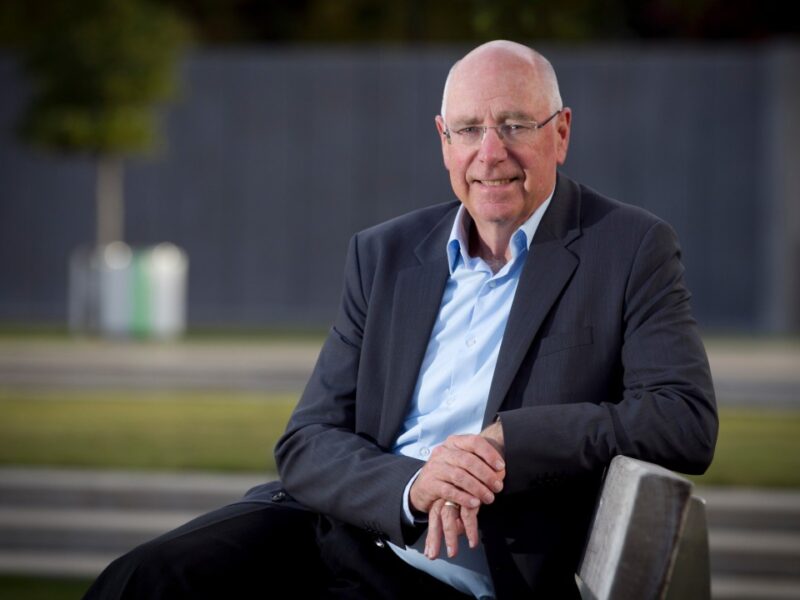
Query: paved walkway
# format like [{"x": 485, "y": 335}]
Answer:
[
  {"x": 98, "y": 364},
  {"x": 746, "y": 372},
  {"x": 760, "y": 373}
]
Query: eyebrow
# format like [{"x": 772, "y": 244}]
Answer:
[{"x": 503, "y": 117}]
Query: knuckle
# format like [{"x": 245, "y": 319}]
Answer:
[
  {"x": 466, "y": 481},
  {"x": 465, "y": 460},
  {"x": 442, "y": 489},
  {"x": 459, "y": 478},
  {"x": 454, "y": 439},
  {"x": 466, "y": 498}
]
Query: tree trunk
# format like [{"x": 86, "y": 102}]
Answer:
[{"x": 110, "y": 204}]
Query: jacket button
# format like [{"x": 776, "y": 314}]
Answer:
[
  {"x": 279, "y": 496},
  {"x": 379, "y": 543}
]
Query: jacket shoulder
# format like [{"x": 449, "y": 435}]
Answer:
[
  {"x": 597, "y": 208},
  {"x": 611, "y": 226}
]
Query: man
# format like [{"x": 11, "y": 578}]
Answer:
[{"x": 490, "y": 357}]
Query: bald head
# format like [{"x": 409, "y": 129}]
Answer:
[{"x": 494, "y": 53}]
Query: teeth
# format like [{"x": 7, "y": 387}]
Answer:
[{"x": 496, "y": 181}]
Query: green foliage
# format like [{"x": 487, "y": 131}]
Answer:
[
  {"x": 100, "y": 130},
  {"x": 474, "y": 21},
  {"x": 98, "y": 68},
  {"x": 456, "y": 20},
  {"x": 468, "y": 21}
]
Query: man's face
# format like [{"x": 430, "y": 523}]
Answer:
[{"x": 501, "y": 183}]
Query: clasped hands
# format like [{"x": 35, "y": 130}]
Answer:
[{"x": 463, "y": 473}]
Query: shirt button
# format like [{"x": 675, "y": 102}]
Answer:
[
  {"x": 470, "y": 342},
  {"x": 425, "y": 451},
  {"x": 492, "y": 284}
]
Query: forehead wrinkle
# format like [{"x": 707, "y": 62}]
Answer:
[
  {"x": 513, "y": 115},
  {"x": 475, "y": 96}
]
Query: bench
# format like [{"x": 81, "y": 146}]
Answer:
[{"x": 649, "y": 538}]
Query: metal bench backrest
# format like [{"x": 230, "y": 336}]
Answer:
[{"x": 649, "y": 538}]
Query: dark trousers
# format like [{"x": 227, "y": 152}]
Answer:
[{"x": 254, "y": 550}]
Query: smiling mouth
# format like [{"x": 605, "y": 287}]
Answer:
[{"x": 496, "y": 182}]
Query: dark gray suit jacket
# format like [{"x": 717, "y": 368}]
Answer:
[{"x": 600, "y": 357}]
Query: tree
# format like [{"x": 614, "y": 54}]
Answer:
[{"x": 99, "y": 69}]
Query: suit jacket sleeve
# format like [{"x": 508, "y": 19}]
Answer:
[
  {"x": 323, "y": 459},
  {"x": 666, "y": 411}
]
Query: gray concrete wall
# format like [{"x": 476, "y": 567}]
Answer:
[{"x": 275, "y": 156}]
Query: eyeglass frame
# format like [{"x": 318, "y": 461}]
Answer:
[{"x": 534, "y": 125}]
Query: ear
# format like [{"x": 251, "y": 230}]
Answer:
[
  {"x": 440, "y": 128},
  {"x": 563, "y": 123}
]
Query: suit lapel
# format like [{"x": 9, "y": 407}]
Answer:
[
  {"x": 417, "y": 297},
  {"x": 547, "y": 270}
]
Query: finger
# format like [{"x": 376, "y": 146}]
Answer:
[
  {"x": 452, "y": 471},
  {"x": 469, "y": 521},
  {"x": 433, "y": 540},
  {"x": 471, "y": 463},
  {"x": 443, "y": 481},
  {"x": 452, "y": 527},
  {"x": 465, "y": 480},
  {"x": 480, "y": 447},
  {"x": 467, "y": 472}
]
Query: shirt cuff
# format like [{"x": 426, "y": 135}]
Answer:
[{"x": 407, "y": 514}]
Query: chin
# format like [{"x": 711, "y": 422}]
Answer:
[
  {"x": 499, "y": 211},
  {"x": 498, "y": 217}
]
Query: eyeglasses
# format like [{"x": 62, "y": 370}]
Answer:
[{"x": 513, "y": 132}]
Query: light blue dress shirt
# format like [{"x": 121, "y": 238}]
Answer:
[{"x": 455, "y": 376}]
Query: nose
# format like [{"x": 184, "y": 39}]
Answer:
[{"x": 493, "y": 148}]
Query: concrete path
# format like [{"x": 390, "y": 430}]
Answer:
[
  {"x": 100, "y": 364},
  {"x": 74, "y": 522},
  {"x": 756, "y": 373},
  {"x": 746, "y": 372}
]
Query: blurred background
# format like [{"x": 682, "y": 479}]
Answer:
[{"x": 179, "y": 180}]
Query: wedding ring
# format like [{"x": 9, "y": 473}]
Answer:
[{"x": 453, "y": 504}]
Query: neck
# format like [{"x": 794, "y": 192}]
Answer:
[{"x": 491, "y": 244}]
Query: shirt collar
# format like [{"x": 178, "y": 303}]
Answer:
[{"x": 458, "y": 242}]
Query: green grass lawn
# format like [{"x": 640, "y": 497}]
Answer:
[
  {"x": 233, "y": 431},
  {"x": 236, "y": 431},
  {"x": 756, "y": 448}
]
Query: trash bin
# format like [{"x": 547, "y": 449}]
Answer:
[{"x": 119, "y": 291}]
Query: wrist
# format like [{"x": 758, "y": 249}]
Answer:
[{"x": 494, "y": 435}]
